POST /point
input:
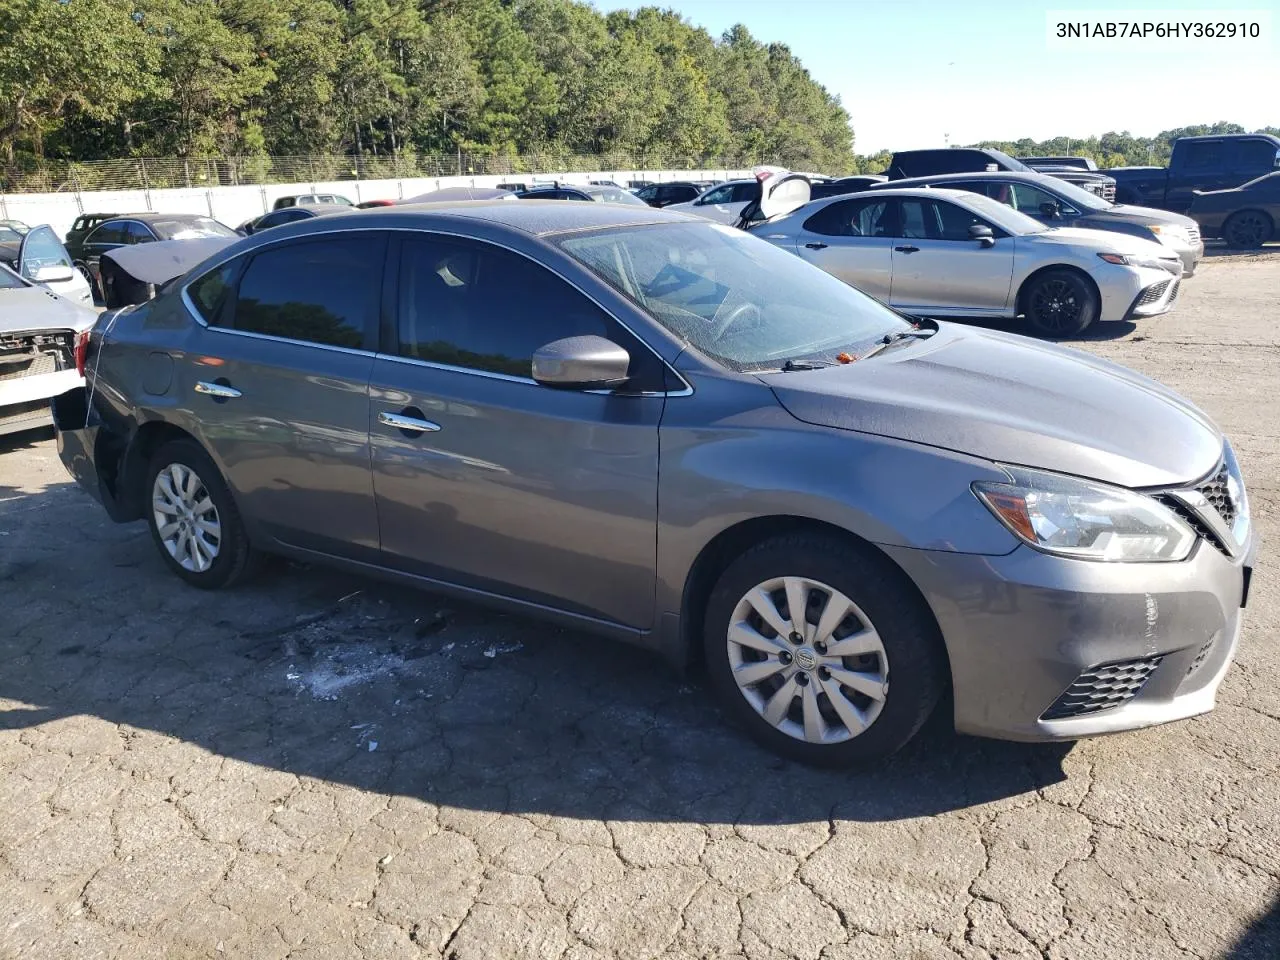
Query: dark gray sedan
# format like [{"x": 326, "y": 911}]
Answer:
[
  {"x": 669, "y": 432},
  {"x": 1056, "y": 203}
]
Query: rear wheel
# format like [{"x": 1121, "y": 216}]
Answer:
[
  {"x": 800, "y": 635},
  {"x": 1060, "y": 303},
  {"x": 1247, "y": 229},
  {"x": 193, "y": 519}
]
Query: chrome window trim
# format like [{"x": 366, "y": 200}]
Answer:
[
  {"x": 685, "y": 391},
  {"x": 289, "y": 340},
  {"x": 527, "y": 381}
]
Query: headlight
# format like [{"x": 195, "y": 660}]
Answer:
[
  {"x": 1168, "y": 231},
  {"x": 1085, "y": 520},
  {"x": 1129, "y": 260}
]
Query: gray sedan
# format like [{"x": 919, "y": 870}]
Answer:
[
  {"x": 1056, "y": 203},
  {"x": 668, "y": 432},
  {"x": 953, "y": 253}
]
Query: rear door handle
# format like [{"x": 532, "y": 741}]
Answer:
[
  {"x": 219, "y": 391},
  {"x": 816, "y": 246},
  {"x": 906, "y": 249},
  {"x": 410, "y": 421}
]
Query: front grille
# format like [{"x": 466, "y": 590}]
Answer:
[
  {"x": 1173, "y": 294},
  {"x": 1200, "y": 528},
  {"x": 31, "y": 366},
  {"x": 1216, "y": 491},
  {"x": 1103, "y": 687},
  {"x": 1108, "y": 192},
  {"x": 1193, "y": 233},
  {"x": 1153, "y": 293}
]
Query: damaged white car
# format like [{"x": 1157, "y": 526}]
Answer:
[{"x": 42, "y": 341}]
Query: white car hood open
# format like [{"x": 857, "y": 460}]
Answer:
[{"x": 34, "y": 308}]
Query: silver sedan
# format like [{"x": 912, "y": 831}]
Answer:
[{"x": 953, "y": 253}]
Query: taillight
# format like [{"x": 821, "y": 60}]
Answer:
[{"x": 82, "y": 351}]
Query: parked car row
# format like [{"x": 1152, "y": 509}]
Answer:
[{"x": 688, "y": 437}]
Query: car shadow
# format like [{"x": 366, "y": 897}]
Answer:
[
  {"x": 1262, "y": 940},
  {"x": 326, "y": 675},
  {"x": 1098, "y": 331},
  {"x": 24, "y": 439}
]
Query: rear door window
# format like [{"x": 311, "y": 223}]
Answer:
[
  {"x": 1205, "y": 155},
  {"x": 323, "y": 291},
  {"x": 853, "y": 218},
  {"x": 110, "y": 232},
  {"x": 135, "y": 232}
]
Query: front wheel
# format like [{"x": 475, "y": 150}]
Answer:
[
  {"x": 800, "y": 635},
  {"x": 1247, "y": 230},
  {"x": 193, "y": 519},
  {"x": 1060, "y": 303}
]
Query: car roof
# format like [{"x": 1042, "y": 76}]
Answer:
[
  {"x": 533, "y": 217},
  {"x": 980, "y": 175},
  {"x": 152, "y": 216}
]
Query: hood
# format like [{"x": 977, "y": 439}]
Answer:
[
  {"x": 1103, "y": 241},
  {"x": 1136, "y": 214},
  {"x": 35, "y": 308},
  {"x": 161, "y": 261},
  {"x": 1014, "y": 400}
]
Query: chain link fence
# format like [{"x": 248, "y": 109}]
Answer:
[{"x": 58, "y": 176}]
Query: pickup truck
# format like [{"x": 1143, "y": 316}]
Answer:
[{"x": 1198, "y": 164}]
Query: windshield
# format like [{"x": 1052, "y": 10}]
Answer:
[
  {"x": 735, "y": 297},
  {"x": 9, "y": 235},
  {"x": 191, "y": 229},
  {"x": 1080, "y": 197},
  {"x": 10, "y": 280},
  {"x": 1007, "y": 218},
  {"x": 1008, "y": 163},
  {"x": 615, "y": 195}
]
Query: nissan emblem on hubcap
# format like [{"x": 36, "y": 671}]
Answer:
[{"x": 806, "y": 659}]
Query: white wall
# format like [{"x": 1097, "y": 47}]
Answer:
[{"x": 234, "y": 205}]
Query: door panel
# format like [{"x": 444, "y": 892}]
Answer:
[
  {"x": 851, "y": 239},
  {"x": 294, "y": 440},
  {"x": 544, "y": 495},
  {"x": 932, "y": 273}
]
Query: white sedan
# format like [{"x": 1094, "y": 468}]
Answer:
[
  {"x": 41, "y": 339},
  {"x": 951, "y": 253},
  {"x": 39, "y": 256},
  {"x": 723, "y": 203}
]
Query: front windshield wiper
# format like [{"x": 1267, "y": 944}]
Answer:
[
  {"x": 791, "y": 365},
  {"x": 915, "y": 333}
]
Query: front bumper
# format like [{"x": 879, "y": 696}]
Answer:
[
  {"x": 1126, "y": 291},
  {"x": 1190, "y": 253},
  {"x": 24, "y": 400},
  {"x": 1023, "y": 628}
]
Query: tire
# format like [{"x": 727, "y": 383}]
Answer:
[
  {"x": 1247, "y": 229},
  {"x": 216, "y": 553},
  {"x": 816, "y": 730},
  {"x": 1060, "y": 303}
]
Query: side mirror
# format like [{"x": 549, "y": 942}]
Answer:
[
  {"x": 1051, "y": 210},
  {"x": 581, "y": 363},
  {"x": 982, "y": 233},
  {"x": 54, "y": 273}
]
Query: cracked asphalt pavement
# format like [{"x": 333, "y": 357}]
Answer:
[{"x": 319, "y": 766}]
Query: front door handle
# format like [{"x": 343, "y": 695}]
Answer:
[
  {"x": 410, "y": 421},
  {"x": 816, "y": 246},
  {"x": 219, "y": 391},
  {"x": 906, "y": 249}
]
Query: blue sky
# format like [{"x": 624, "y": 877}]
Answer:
[{"x": 918, "y": 73}]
